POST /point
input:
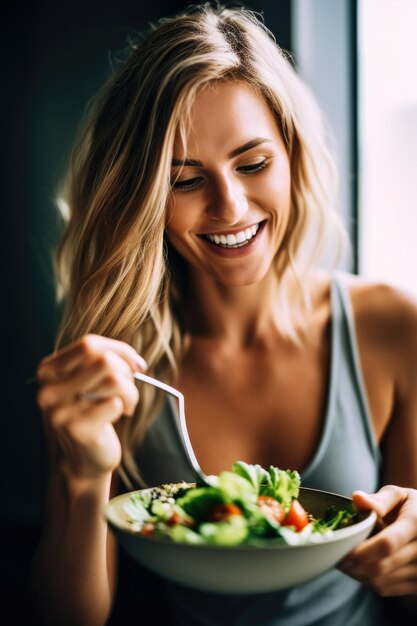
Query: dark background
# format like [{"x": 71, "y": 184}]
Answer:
[{"x": 54, "y": 58}]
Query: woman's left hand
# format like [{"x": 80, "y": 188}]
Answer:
[{"x": 387, "y": 561}]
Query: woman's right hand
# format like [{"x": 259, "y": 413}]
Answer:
[{"x": 84, "y": 389}]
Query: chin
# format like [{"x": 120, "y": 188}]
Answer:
[{"x": 240, "y": 280}]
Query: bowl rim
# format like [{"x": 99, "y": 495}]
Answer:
[{"x": 263, "y": 543}]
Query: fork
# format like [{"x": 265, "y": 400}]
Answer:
[{"x": 180, "y": 423}]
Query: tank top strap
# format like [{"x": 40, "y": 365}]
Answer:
[
  {"x": 349, "y": 352},
  {"x": 347, "y": 429}
]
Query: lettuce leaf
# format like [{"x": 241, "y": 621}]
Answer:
[
  {"x": 255, "y": 474},
  {"x": 284, "y": 485},
  {"x": 137, "y": 507},
  {"x": 236, "y": 488}
]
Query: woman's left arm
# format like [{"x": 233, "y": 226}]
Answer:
[{"x": 388, "y": 560}]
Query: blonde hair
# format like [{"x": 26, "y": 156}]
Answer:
[{"x": 112, "y": 261}]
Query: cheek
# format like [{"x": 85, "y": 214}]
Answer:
[
  {"x": 174, "y": 219},
  {"x": 170, "y": 211},
  {"x": 279, "y": 201},
  {"x": 283, "y": 189},
  {"x": 284, "y": 184},
  {"x": 180, "y": 217},
  {"x": 278, "y": 195}
]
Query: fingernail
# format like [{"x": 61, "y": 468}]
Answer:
[
  {"x": 359, "y": 492},
  {"x": 140, "y": 361}
]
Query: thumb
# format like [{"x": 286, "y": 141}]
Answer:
[{"x": 383, "y": 502}]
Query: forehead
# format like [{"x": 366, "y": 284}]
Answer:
[{"x": 223, "y": 116}]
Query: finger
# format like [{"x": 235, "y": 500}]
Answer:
[
  {"x": 86, "y": 349},
  {"x": 83, "y": 382},
  {"x": 64, "y": 361},
  {"x": 383, "y": 502},
  {"x": 107, "y": 366},
  {"x": 384, "y": 544},
  {"x": 401, "y": 582},
  {"x": 406, "y": 588},
  {"x": 116, "y": 384},
  {"x": 107, "y": 410},
  {"x": 403, "y": 574},
  {"x": 384, "y": 566},
  {"x": 117, "y": 380}
]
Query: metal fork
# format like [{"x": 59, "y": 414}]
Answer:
[{"x": 201, "y": 477}]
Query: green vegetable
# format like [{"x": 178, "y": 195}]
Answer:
[
  {"x": 199, "y": 501},
  {"x": 334, "y": 519},
  {"x": 228, "y": 512},
  {"x": 228, "y": 533},
  {"x": 137, "y": 508},
  {"x": 284, "y": 485},
  {"x": 182, "y": 534}
]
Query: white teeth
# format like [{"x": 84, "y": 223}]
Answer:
[{"x": 232, "y": 240}]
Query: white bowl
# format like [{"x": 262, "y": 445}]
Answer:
[{"x": 243, "y": 569}]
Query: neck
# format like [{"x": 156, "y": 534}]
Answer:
[{"x": 241, "y": 315}]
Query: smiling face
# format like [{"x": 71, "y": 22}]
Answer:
[{"x": 230, "y": 204}]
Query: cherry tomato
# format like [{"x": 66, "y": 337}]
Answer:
[
  {"x": 147, "y": 529},
  {"x": 271, "y": 508},
  {"x": 223, "y": 511},
  {"x": 296, "y": 516},
  {"x": 176, "y": 518}
]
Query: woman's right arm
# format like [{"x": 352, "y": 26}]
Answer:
[{"x": 84, "y": 390}]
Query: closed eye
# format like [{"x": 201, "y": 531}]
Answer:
[
  {"x": 253, "y": 167},
  {"x": 189, "y": 183}
]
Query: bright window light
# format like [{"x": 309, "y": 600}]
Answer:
[{"x": 387, "y": 67}]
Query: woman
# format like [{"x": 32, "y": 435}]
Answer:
[{"x": 200, "y": 200}]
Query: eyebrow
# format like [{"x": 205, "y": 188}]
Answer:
[{"x": 257, "y": 141}]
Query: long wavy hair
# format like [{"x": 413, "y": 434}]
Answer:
[{"x": 115, "y": 273}]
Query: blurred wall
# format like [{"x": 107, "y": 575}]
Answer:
[{"x": 324, "y": 47}]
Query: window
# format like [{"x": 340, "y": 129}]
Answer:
[{"x": 387, "y": 109}]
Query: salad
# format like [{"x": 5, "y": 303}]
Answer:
[{"x": 243, "y": 506}]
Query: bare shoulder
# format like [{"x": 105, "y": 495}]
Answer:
[
  {"x": 382, "y": 300},
  {"x": 385, "y": 314}
]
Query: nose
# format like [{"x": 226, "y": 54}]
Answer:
[{"x": 228, "y": 202}]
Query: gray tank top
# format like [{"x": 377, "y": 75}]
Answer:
[{"x": 346, "y": 458}]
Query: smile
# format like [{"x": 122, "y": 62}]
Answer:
[{"x": 234, "y": 240}]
